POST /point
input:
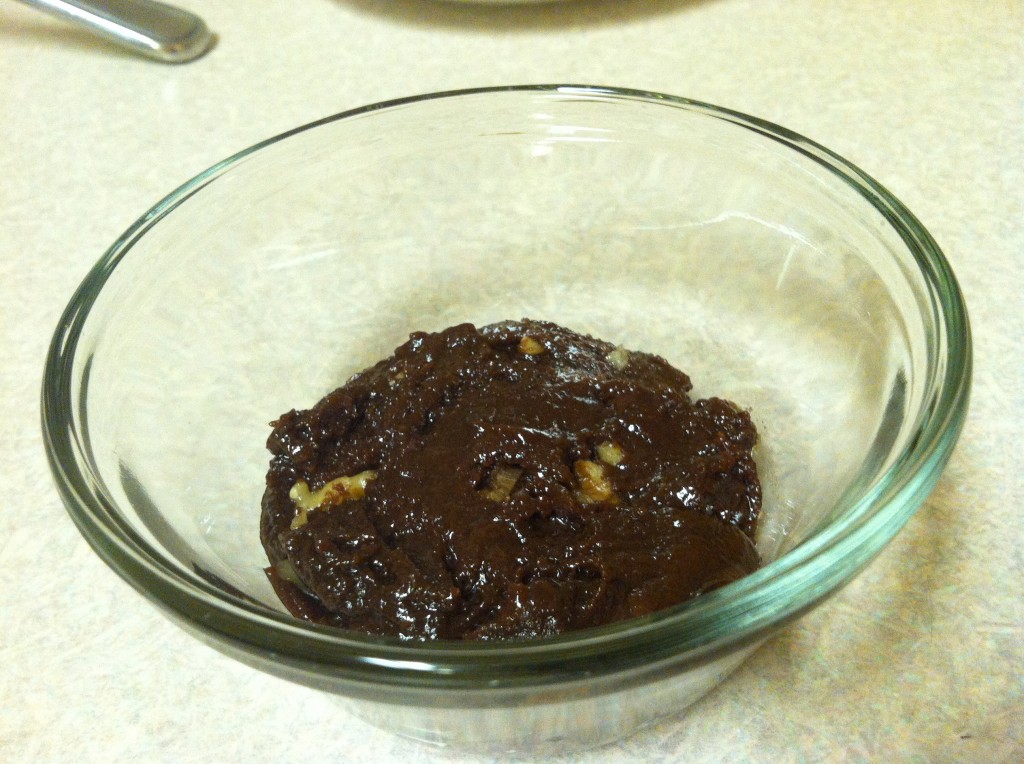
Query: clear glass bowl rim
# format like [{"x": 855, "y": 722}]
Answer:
[{"x": 697, "y": 632}]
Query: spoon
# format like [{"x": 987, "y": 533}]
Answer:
[{"x": 155, "y": 30}]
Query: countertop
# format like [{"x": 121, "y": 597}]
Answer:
[{"x": 920, "y": 659}]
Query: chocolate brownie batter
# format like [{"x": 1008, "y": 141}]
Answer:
[{"x": 513, "y": 481}]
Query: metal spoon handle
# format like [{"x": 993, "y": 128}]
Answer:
[{"x": 158, "y": 31}]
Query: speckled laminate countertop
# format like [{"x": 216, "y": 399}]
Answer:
[{"x": 920, "y": 659}]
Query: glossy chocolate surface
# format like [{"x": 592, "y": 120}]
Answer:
[{"x": 514, "y": 481}]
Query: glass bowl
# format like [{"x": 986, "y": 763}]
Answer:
[{"x": 772, "y": 271}]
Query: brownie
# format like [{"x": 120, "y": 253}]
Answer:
[{"x": 514, "y": 481}]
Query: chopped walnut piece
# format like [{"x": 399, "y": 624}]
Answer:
[
  {"x": 531, "y": 346},
  {"x": 334, "y": 492},
  {"x": 594, "y": 485},
  {"x": 618, "y": 358},
  {"x": 286, "y": 570},
  {"x": 610, "y": 453},
  {"x": 502, "y": 481}
]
